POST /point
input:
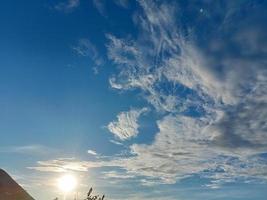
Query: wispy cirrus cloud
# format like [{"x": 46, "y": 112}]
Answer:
[
  {"x": 73, "y": 164},
  {"x": 116, "y": 142},
  {"x": 126, "y": 125},
  {"x": 68, "y": 5},
  {"x": 117, "y": 175},
  {"x": 33, "y": 149},
  {"x": 100, "y": 6},
  {"x": 122, "y": 3},
  {"x": 63, "y": 165},
  {"x": 86, "y": 48}
]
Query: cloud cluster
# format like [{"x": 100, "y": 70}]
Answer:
[
  {"x": 126, "y": 125},
  {"x": 208, "y": 79},
  {"x": 218, "y": 72}
]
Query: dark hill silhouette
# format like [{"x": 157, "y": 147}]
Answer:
[{"x": 10, "y": 190}]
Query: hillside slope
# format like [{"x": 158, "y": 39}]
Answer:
[{"x": 10, "y": 190}]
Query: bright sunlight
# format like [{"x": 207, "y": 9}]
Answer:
[{"x": 67, "y": 183}]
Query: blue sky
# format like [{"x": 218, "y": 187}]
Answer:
[{"x": 140, "y": 99}]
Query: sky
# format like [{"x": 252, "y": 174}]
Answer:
[{"x": 141, "y": 99}]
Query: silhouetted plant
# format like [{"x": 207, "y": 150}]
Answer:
[
  {"x": 90, "y": 196},
  {"x": 96, "y": 197}
]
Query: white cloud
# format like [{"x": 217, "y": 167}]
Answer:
[
  {"x": 143, "y": 64},
  {"x": 64, "y": 165},
  {"x": 100, "y": 6},
  {"x": 163, "y": 56},
  {"x": 116, "y": 142},
  {"x": 183, "y": 147},
  {"x": 126, "y": 126},
  {"x": 116, "y": 175},
  {"x": 86, "y": 48},
  {"x": 33, "y": 149},
  {"x": 68, "y": 5},
  {"x": 92, "y": 152},
  {"x": 122, "y": 3}
]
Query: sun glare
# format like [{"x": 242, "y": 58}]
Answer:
[{"x": 67, "y": 183}]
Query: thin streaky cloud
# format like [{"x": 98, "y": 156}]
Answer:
[
  {"x": 86, "y": 48},
  {"x": 92, "y": 152},
  {"x": 67, "y": 5},
  {"x": 33, "y": 149},
  {"x": 122, "y": 3},
  {"x": 100, "y": 6}
]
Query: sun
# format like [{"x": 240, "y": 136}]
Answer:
[{"x": 67, "y": 183}]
